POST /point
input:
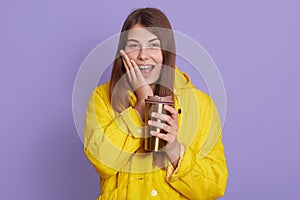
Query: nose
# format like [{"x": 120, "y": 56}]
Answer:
[{"x": 143, "y": 54}]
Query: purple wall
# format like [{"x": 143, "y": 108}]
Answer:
[{"x": 255, "y": 44}]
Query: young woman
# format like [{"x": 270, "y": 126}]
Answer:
[{"x": 192, "y": 164}]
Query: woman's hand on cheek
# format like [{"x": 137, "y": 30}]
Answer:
[{"x": 136, "y": 78}]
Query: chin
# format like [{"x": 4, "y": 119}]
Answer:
[{"x": 151, "y": 81}]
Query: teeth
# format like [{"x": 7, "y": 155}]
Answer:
[{"x": 145, "y": 67}]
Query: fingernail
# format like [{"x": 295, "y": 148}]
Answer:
[
  {"x": 149, "y": 122},
  {"x": 121, "y": 51}
]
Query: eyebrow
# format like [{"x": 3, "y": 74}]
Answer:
[{"x": 134, "y": 40}]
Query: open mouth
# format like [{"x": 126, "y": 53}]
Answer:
[{"x": 146, "y": 70}]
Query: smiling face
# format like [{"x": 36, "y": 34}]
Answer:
[{"x": 144, "y": 48}]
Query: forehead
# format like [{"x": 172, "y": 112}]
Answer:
[{"x": 140, "y": 33}]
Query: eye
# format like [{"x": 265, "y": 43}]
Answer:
[
  {"x": 154, "y": 45},
  {"x": 132, "y": 45}
]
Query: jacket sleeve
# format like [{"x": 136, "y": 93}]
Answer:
[
  {"x": 202, "y": 171},
  {"x": 109, "y": 139}
]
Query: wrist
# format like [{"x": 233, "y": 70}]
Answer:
[
  {"x": 143, "y": 92},
  {"x": 140, "y": 108},
  {"x": 174, "y": 154}
]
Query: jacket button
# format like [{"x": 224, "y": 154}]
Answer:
[
  {"x": 139, "y": 131},
  {"x": 153, "y": 193}
]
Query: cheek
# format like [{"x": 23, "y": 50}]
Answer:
[
  {"x": 159, "y": 70},
  {"x": 132, "y": 54},
  {"x": 158, "y": 57}
]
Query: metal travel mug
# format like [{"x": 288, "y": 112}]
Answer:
[{"x": 155, "y": 104}]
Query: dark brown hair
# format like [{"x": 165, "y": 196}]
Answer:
[{"x": 157, "y": 23}]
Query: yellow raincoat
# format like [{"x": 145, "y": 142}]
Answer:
[{"x": 113, "y": 142}]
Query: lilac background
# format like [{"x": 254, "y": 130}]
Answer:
[{"x": 254, "y": 43}]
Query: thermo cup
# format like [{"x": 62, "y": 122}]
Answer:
[{"x": 155, "y": 104}]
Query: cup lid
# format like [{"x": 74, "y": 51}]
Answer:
[{"x": 158, "y": 99}]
